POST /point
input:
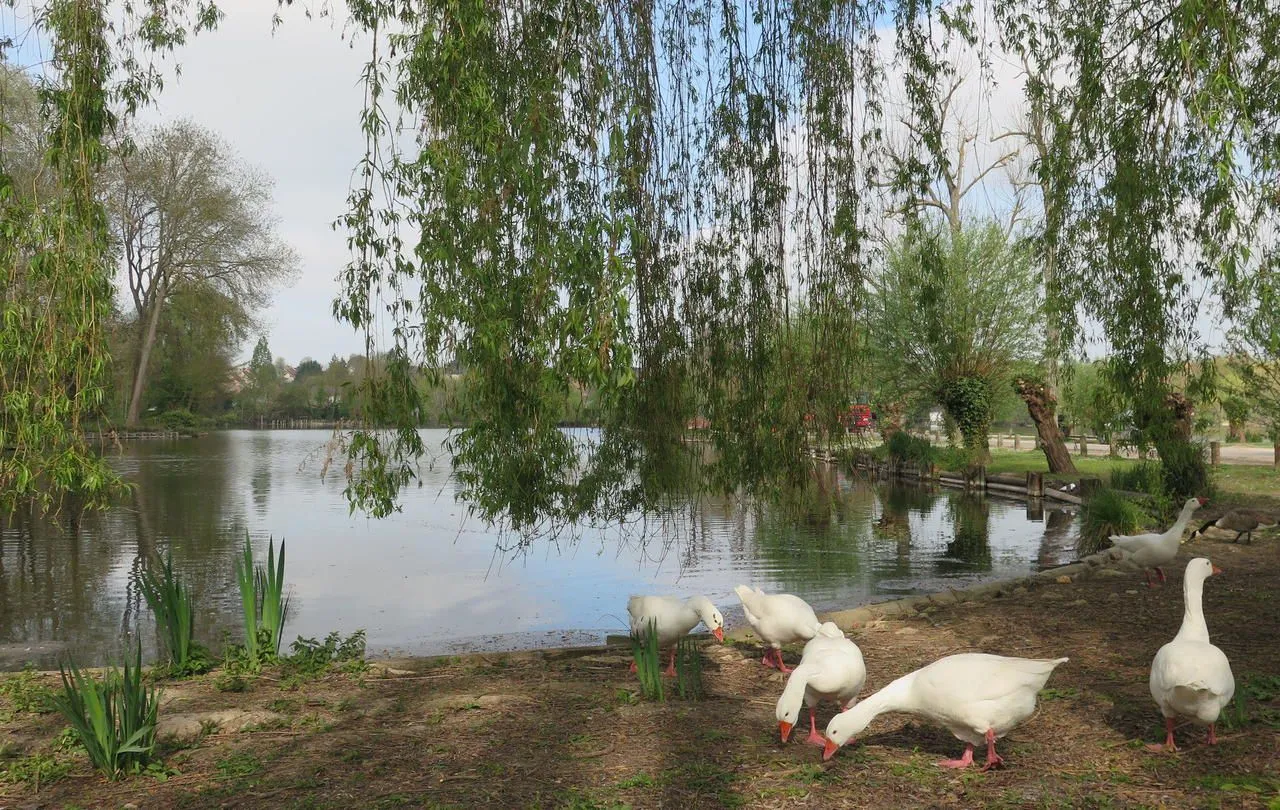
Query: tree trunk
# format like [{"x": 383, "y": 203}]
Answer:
[
  {"x": 144, "y": 357},
  {"x": 1042, "y": 407}
]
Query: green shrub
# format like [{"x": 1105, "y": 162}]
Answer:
[
  {"x": 1145, "y": 476},
  {"x": 903, "y": 447},
  {"x": 178, "y": 419},
  {"x": 115, "y": 718},
  {"x": 954, "y": 459},
  {"x": 1105, "y": 513},
  {"x": 1186, "y": 472},
  {"x": 311, "y": 658}
]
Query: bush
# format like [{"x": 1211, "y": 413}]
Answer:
[
  {"x": 312, "y": 659},
  {"x": 1106, "y": 513},
  {"x": 1145, "y": 476},
  {"x": 178, "y": 419},
  {"x": 903, "y": 447},
  {"x": 1186, "y": 473},
  {"x": 953, "y": 459},
  {"x": 115, "y": 719}
]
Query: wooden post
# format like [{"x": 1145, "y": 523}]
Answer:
[
  {"x": 1000, "y": 440},
  {"x": 1035, "y": 484},
  {"x": 1089, "y": 484},
  {"x": 977, "y": 478},
  {"x": 1215, "y": 453},
  {"x": 1275, "y": 455},
  {"x": 1084, "y": 445},
  {"x": 1015, "y": 441},
  {"x": 1035, "y": 510}
]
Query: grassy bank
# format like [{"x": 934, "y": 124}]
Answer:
[{"x": 568, "y": 730}]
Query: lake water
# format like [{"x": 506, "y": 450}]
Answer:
[{"x": 427, "y": 580}]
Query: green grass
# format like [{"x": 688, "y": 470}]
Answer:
[
  {"x": 34, "y": 771},
  {"x": 1106, "y": 513},
  {"x": 1023, "y": 461},
  {"x": 170, "y": 600},
  {"x": 239, "y": 765},
  {"x": 644, "y": 651},
  {"x": 24, "y": 693}
]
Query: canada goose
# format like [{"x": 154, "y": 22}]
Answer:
[{"x": 1241, "y": 521}]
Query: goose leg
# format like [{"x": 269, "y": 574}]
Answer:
[
  {"x": 993, "y": 759},
  {"x": 633, "y": 665},
  {"x": 671, "y": 663},
  {"x": 814, "y": 737},
  {"x": 782, "y": 665},
  {"x": 1150, "y": 583},
  {"x": 965, "y": 760},
  {"x": 1160, "y": 571},
  {"x": 1168, "y": 738},
  {"x": 767, "y": 659},
  {"x": 1213, "y": 735},
  {"x": 1248, "y": 538}
]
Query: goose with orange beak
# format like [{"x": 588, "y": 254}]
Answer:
[
  {"x": 978, "y": 697},
  {"x": 673, "y": 618},
  {"x": 830, "y": 669}
]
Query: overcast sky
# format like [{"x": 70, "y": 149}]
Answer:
[{"x": 289, "y": 101}]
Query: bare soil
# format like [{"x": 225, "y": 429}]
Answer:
[{"x": 567, "y": 730}]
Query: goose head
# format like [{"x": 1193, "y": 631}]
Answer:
[
  {"x": 1200, "y": 569},
  {"x": 709, "y": 615},
  {"x": 843, "y": 726}
]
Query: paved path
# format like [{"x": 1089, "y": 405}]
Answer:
[{"x": 1231, "y": 453}]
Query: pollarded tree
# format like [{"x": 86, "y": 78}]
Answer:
[
  {"x": 950, "y": 314},
  {"x": 188, "y": 214}
]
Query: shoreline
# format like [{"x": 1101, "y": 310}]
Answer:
[{"x": 566, "y": 728}]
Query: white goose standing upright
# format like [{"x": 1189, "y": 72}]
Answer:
[
  {"x": 673, "y": 617},
  {"x": 1156, "y": 550},
  {"x": 830, "y": 669},
  {"x": 978, "y": 697},
  {"x": 778, "y": 619},
  {"x": 1189, "y": 676}
]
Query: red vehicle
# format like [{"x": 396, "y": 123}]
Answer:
[{"x": 858, "y": 418}]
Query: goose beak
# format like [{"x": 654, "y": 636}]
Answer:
[
  {"x": 718, "y": 632},
  {"x": 1202, "y": 501},
  {"x": 1217, "y": 570},
  {"x": 829, "y": 749},
  {"x": 784, "y": 728}
]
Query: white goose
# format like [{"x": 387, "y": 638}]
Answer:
[
  {"x": 673, "y": 617},
  {"x": 1189, "y": 676},
  {"x": 1155, "y": 550},
  {"x": 830, "y": 669},
  {"x": 778, "y": 619},
  {"x": 978, "y": 697}
]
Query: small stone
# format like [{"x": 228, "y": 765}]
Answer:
[
  {"x": 1063, "y": 580},
  {"x": 1131, "y": 591}
]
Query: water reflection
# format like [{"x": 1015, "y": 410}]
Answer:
[{"x": 426, "y": 580}]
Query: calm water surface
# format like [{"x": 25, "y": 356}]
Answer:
[{"x": 428, "y": 580}]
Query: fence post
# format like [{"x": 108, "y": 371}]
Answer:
[
  {"x": 1084, "y": 445},
  {"x": 1015, "y": 441},
  {"x": 1215, "y": 453},
  {"x": 1035, "y": 484}
]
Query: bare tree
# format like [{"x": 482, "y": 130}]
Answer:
[{"x": 187, "y": 213}]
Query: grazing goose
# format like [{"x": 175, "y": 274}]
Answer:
[
  {"x": 976, "y": 696},
  {"x": 1156, "y": 550},
  {"x": 1189, "y": 676},
  {"x": 778, "y": 619},
  {"x": 830, "y": 669},
  {"x": 1241, "y": 521},
  {"x": 674, "y": 618}
]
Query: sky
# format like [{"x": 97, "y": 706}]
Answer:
[{"x": 288, "y": 100}]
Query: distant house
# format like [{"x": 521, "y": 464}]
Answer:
[{"x": 238, "y": 379}]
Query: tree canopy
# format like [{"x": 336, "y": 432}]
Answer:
[{"x": 630, "y": 197}]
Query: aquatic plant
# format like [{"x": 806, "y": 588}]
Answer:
[
  {"x": 688, "y": 670},
  {"x": 1105, "y": 513},
  {"x": 115, "y": 718},
  {"x": 262, "y": 601},
  {"x": 644, "y": 650},
  {"x": 170, "y": 600}
]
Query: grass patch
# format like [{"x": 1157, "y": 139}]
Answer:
[
  {"x": 1018, "y": 461},
  {"x": 689, "y": 670},
  {"x": 239, "y": 765},
  {"x": 311, "y": 659},
  {"x": 264, "y": 607},
  {"x": 34, "y": 771},
  {"x": 1105, "y": 513},
  {"x": 25, "y": 693}
]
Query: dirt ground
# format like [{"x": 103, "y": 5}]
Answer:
[{"x": 566, "y": 729}]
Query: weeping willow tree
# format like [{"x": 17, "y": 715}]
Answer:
[
  {"x": 1159, "y": 181},
  {"x": 627, "y": 196}
]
